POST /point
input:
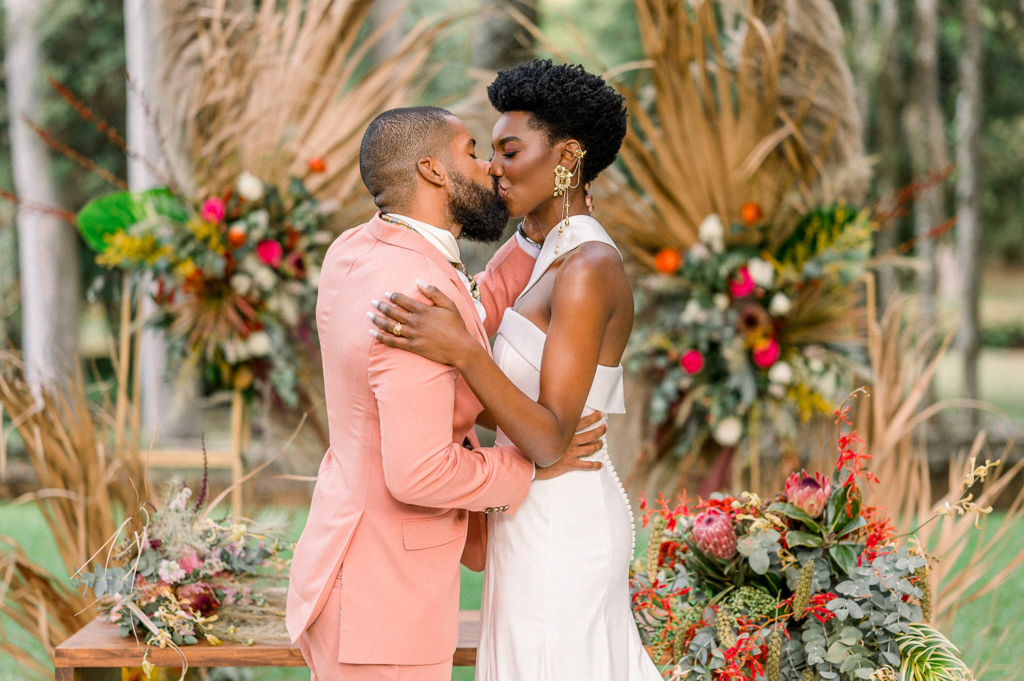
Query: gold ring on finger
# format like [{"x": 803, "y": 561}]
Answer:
[{"x": 398, "y": 329}]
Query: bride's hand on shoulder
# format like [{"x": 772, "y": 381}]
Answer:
[
  {"x": 435, "y": 330},
  {"x": 582, "y": 444}
]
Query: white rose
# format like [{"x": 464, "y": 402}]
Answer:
[
  {"x": 265, "y": 277},
  {"x": 761, "y": 271},
  {"x": 250, "y": 186},
  {"x": 241, "y": 283},
  {"x": 780, "y": 305},
  {"x": 235, "y": 351},
  {"x": 721, "y": 302},
  {"x": 781, "y": 373},
  {"x": 693, "y": 313},
  {"x": 322, "y": 237},
  {"x": 712, "y": 233},
  {"x": 816, "y": 364},
  {"x": 728, "y": 431},
  {"x": 287, "y": 308},
  {"x": 259, "y": 344},
  {"x": 776, "y": 390},
  {"x": 313, "y": 276},
  {"x": 698, "y": 251}
]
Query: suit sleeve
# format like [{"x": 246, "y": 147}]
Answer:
[
  {"x": 502, "y": 281},
  {"x": 415, "y": 399}
]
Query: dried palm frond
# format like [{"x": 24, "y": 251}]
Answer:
[
  {"x": 289, "y": 82},
  {"x": 731, "y": 107}
]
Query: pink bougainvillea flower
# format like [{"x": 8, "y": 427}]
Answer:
[
  {"x": 766, "y": 354},
  {"x": 808, "y": 493},
  {"x": 692, "y": 362},
  {"x": 743, "y": 284},
  {"x": 714, "y": 534},
  {"x": 198, "y": 597},
  {"x": 270, "y": 252},
  {"x": 213, "y": 210}
]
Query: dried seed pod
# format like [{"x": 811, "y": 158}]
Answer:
[
  {"x": 723, "y": 627},
  {"x": 809, "y": 674},
  {"x": 677, "y": 644},
  {"x": 926, "y": 593},
  {"x": 803, "y": 589},
  {"x": 654, "y": 547},
  {"x": 773, "y": 663}
]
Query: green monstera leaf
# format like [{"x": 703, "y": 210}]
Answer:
[{"x": 119, "y": 211}]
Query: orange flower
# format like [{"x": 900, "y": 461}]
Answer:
[
  {"x": 667, "y": 261},
  {"x": 236, "y": 236},
  {"x": 751, "y": 213},
  {"x": 317, "y": 165}
]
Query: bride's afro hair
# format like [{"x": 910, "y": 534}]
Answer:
[{"x": 565, "y": 102}]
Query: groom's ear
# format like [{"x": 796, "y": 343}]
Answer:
[{"x": 432, "y": 170}]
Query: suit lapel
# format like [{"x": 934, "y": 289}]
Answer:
[{"x": 403, "y": 237}]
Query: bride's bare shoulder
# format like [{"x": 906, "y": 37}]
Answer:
[{"x": 591, "y": 268}]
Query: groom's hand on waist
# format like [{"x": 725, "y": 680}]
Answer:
[{"x": 582, "y": 444}]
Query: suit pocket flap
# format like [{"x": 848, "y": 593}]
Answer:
[{"x": 424, "y": 533}]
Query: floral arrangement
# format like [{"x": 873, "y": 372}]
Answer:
[
  {"x": 744, "y": 327},
  {"x": 811, "y": 584},
  {"x": 184, "y": 577},
  {"x": 234, "y": 276}
]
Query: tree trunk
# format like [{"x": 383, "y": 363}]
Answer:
[
  {"x": 968, "y": 197},
  {"x": 47, "y": 246},
  {"x": 928, "y": 148},
  {"x": 502, "y": 41},
  {"x": 862, "y": 67},
  {"x": 164, "y": 407},
  {"x": 890, "y": 89}
]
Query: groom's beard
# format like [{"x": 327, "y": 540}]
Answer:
[{"x": 479, "y": 209}]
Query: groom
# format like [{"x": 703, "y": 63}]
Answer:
[{"x": 374, "y": 586}]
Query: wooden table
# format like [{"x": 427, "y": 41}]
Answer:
[{"x": 97, "y": 646}]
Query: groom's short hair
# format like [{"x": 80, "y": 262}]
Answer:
[{"x": 393, "y": 144}]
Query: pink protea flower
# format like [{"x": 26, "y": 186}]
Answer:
[
  {"x": 198, "y": 597},
  {"x": 692, "y": 362},
  {"x": 213, "y": 210},
  {"x": 743, "y": 285},
  {"x": 767, "y": 353},
  {"x": 808, "y": 493},
  {"x": 190, "y": 561},
  {"x": 270, "y": 252},
  {"x": 714, "y": 534}
]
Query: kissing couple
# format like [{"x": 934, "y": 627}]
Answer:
[{"x": 405, "y": 491}]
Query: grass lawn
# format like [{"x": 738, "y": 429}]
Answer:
[{"x": 978, "y": 629}]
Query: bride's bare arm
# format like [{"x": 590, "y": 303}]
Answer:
[{"x": 582, "y": 303}]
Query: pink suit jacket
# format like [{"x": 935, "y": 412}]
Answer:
[{"x": 389, "y": 508}]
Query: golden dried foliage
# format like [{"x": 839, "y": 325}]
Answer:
[
  {"x": 729, "y": 107},
  {"x": 85, "y": 457},
  {"x": 290, "y": 82},
  {"x": 893, "y": 421},
  {"x": 43, "y": 605}
]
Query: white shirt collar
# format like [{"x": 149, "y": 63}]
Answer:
[
  {"x": 441, "y": 239},
  {"x": 444, "y": 241}
]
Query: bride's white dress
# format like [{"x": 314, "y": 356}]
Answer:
[{"x": 556, "y": 603}]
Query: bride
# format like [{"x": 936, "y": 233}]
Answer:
[{"x": 556, "y": 603}]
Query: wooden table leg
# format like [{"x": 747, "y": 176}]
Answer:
[{"x": 64, "y": 674}]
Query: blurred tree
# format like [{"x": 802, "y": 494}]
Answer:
[
  {"x": 925, "y": 127},
  {"x": 968, "y": 199},
  {"x": 890, "y": 89},
  {"x": 48, "y": 246}
]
